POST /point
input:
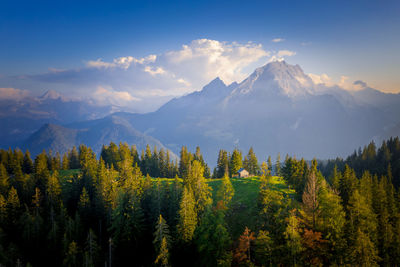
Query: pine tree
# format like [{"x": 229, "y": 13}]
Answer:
[
  {"x": 332, "y": 224},
  {"x": 292, "y": 236},
  {"x": 235, "y": 162},
  {"x": 73, "y": 159},
  {"x": 201, "y": 190},
  {"x": 92, "y": 250},
  {"x": 278, "y": 165},
  {"x": 4, "y": 180},
  {"x": 263, "y": 248},
  {"x": 222, "y": 163},
  {"x": 162, "y": 231},
  {"x": 187, "y": 215},
  {"x": 54, "y": 190},
  {"x": 347, "y": 184},
  {"x": 71, "y": 257},
  {"x": 161, "y": 242},
  {"x": 361, "y": 216},
  {"x": 163, "y": 254},
  {"x": 212, "y": 239},
  {"x": 27, "y": 166},
  {"x": 269, "y": 162},
  {"x": 363, "y": 252},
  {"x": 65, "y": 162},
  {"x": 225, "y": 192},
  {"x": 252, "y": 167}
]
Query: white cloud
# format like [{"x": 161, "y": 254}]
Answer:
[
  {"x": 286, "y": 53},
  {"x": 99, "y": 63},
  {"x": 344, "y": 82},
  {"x": 121, "y": 62},
  {"x": 281, "y": 55},
  {"x": 321, "y": 79},
  {"x": 204, "y": 59},
  {"x": 154, "y": 71},
  {"x": 108, "y": 96},
  {"x": 277, "y": 40},
  {"x": 13, "y": 94}
]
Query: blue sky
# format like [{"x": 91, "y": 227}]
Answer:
[{"x": 356, "y": 39}]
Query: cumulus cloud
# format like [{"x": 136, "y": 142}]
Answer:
[
  {"x": 13, "y": 94},
  {"x": 344, "y": 82},
  {"x": 281, "y": 55},
  {"x": 154, "y": 71},
  {"x": 286, "y": 53},
  {"x": 277, "y": 40},
  {"x": 321, "y": 79},
  {"x": 108, "y": 96},
  {"x": 120, "y": 62},
  {"x": 203, "y": 60}
]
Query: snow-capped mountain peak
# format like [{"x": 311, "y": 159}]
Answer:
[{"x": 277, "y": 77}]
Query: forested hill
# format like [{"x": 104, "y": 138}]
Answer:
[
  {"x": 384, "y": 160},
  {"x": 85, "y": 211}
]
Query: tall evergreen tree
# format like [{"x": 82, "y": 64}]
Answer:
[
  {"x": 278, "y": 165},
  {"x": 225, "y": 192},
  {"x": 292, "y": 236},
  {"x": 235, "y": 162},
  {"x": 187, "y": 215},
  {"x": 222, "y": 163}
]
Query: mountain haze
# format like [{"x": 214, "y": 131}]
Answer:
[
  {"x": 277, "y": 109},
  {"x": 94, "y": 133}
]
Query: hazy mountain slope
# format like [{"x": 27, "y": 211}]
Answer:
[
  {"x": 94, "y": 133},
  {"x": 19, "y": 118},
  {"x": 51, "y": 137},
  {"x": 276, "y": 109}
]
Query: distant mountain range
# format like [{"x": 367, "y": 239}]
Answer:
[
  {"x": 92, "y": 133},
  {"x": 277, "y": 109},
  {"x": 19, "y": 118}
]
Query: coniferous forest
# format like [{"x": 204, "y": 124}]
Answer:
[{"x": 130, "y": 208}]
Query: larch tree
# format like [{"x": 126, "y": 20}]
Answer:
[
  {"x": 225, "y": 192},
  {"x": 242, "y": 252},
  {"x": 201, "y": 190},
  {"x": 310, "y": 199},
  {"x": 293, "y": 237},
  {"x": 187, "y": 215},
  {"x": 4, "y": 180}
]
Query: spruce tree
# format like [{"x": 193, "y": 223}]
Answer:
[
  {"x": 27, "y": 166},
  {"x": 4, "y": 180},
  {"x": 235, "y": 162},
  {"x": 278, "y": 165}
]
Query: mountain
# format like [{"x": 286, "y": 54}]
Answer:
[
  {"x": 93, "y": 133},
  {"x": 277, "y": 109},
  {"x": 19, "y": 118}
]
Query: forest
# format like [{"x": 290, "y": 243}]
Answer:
[{"x": 130, "y": 208}]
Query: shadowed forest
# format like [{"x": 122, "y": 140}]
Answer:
[{"x": 79, "y": 209}]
